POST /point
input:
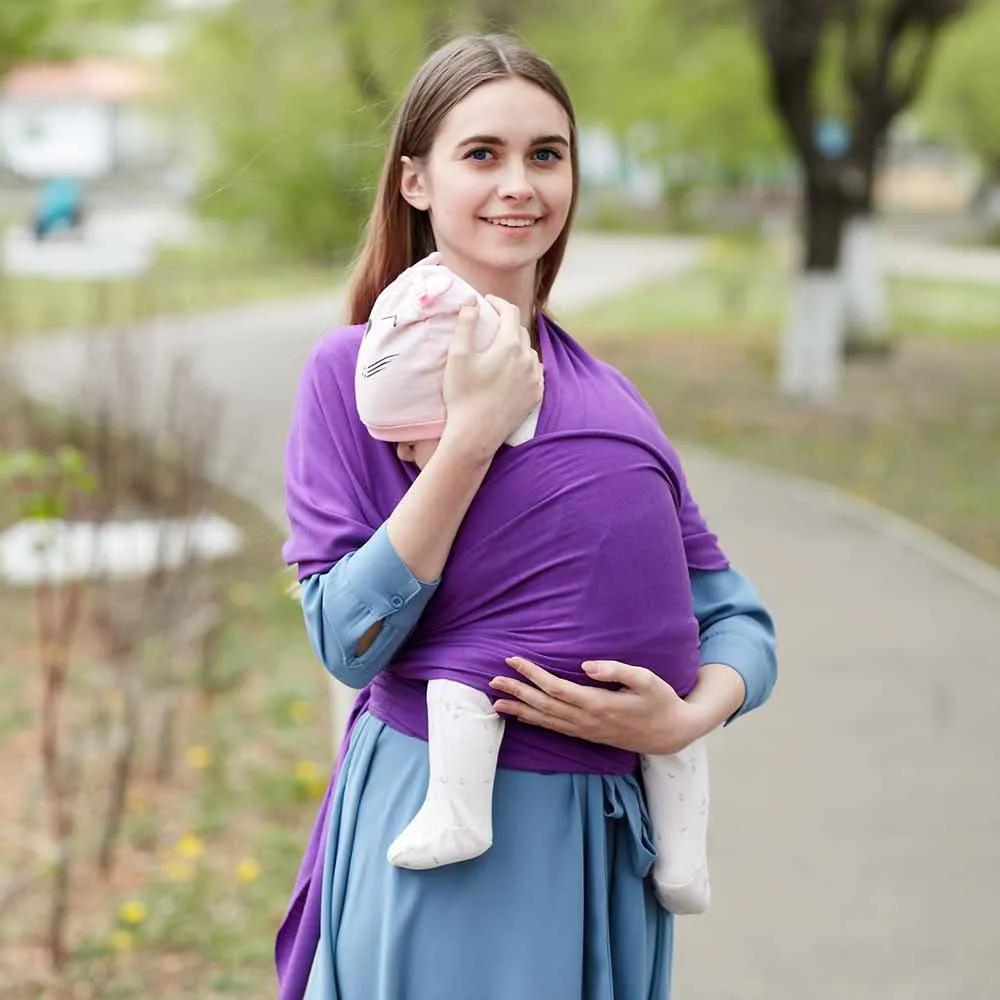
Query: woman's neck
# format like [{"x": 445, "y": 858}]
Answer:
[{"x": 517, "y": 287}]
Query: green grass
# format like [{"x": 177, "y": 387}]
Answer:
[
  {"x": 918, "y": 433},
  {"x": 744, "y": 295},
  {"x": 182, "y": 281}
]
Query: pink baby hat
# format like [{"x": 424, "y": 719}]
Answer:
[{"x": 400, "y": 373}]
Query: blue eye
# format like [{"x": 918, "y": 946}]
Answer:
[
  {"x": 479, "y": 155},
  {"x": 548, "y": 155}
]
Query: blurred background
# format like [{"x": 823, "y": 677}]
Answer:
[{"x": 788, "y": 237}]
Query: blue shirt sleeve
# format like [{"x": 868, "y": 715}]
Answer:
[
  {"x": 737, "y": 630},
  {"x": 368, "y": 586}
]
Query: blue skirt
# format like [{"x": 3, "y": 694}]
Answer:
[{"x": 559, "y": 908}]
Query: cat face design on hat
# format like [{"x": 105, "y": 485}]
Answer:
[{"x": 400, "y": 370}]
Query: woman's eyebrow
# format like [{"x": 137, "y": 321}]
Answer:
[{"x": 495, "y": 140}]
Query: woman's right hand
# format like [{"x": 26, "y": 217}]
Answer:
[{"x": 488, "y": 393}]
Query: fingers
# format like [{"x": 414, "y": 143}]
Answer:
[
  {"x": 533, "y": 717},
  {"x": 556, "y": 687},
  {"x": 510, "y": 319},
  {"x": 637, "y": 679},
  {"x": 465, "y": 329},
  {"x": 531, "y": 697}
]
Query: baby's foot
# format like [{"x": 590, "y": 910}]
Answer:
[
  {"x": 436, "y": 837},
  {"x": 682, "y": 895}
]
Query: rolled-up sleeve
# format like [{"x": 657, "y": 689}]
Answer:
[
  {"x": 737, "y": 630},
  {"x": 369, "y": 586}
]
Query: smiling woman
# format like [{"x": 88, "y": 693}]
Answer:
[
  {"x": 554, "y": 559},
  {"x": 513, "y": 180}
]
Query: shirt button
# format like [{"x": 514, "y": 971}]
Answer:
[{"x": 396, "y": 601}]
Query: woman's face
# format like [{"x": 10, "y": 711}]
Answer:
[{"x": 497, "y": 182}]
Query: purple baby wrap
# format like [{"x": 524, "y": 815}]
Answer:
[{"x": 577, "y": 546}]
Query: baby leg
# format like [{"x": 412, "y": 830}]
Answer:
[
  {"x": 455, "y": 823},
  {"x": 677, "y": 798}
]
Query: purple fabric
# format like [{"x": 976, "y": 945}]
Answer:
[{"x": 568, "y": 552}]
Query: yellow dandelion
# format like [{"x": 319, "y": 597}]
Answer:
[
  {"x": 136, "y": 798},
  {"x": 248, "y": 870},
  {"x": 299, "y": 711},
  {"x": 190, "y": 846},
  {"x": 198, "y": 757},
  {"x": 132, "y": 912},
  {"x": 241, "y": 594},
  {"x": 306, "y": 771},
  {"x": 177, "y": 871},
  {"x": 121, "y": 941}
]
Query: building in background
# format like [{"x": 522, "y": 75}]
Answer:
[{"x": 87, "y": 119}]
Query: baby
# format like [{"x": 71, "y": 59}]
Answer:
[{"x": 398, "y": 385}]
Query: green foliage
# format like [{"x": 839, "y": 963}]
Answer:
[
  {"x": 296, "y": 99},
  {"x": 695, "y": 85},
  {"x": 961, "y": 104},
  {"x": 45, "y": 484},
  {"x": 55, "y": 28}
]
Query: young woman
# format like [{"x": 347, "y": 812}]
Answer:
[{"x": 482, "y": 168}]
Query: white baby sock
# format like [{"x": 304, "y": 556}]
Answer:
[
  {"x": 455, "y": 823},
  {"x": 677, "y": 799}
]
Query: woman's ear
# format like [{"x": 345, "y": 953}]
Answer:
[{"x": 413, "y": 184}]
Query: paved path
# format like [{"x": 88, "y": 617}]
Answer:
[{"x": 856, "y": 821}]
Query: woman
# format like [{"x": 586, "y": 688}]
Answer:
[{"x": 482, "y": 167}]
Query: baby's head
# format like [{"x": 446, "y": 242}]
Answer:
[{"x": 399, "y": 378}]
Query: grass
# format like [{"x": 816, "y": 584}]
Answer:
[
  {"x": 743, "y": 295},
  {"x": 918, "y": 434},
  {"x": 181, "y": 281}
]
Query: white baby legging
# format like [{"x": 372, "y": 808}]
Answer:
[{"x": 455, "y": 822}]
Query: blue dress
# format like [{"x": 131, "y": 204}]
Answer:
[
  {"x": 568, "y": 913},
  {"x": 559, "y": 907}
]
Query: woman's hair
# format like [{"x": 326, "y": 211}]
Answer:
[{"x": 398, "y": 235}]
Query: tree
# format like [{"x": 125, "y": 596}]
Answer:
[
  {"x": 876, "y": 53},
  {"x": 32, "y": 29}
]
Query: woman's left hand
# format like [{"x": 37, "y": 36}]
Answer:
[{"x": 645, "y": 715}]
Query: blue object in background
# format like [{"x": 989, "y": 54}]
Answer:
[
  {"x": 833, "y": 137},
  {"x": 60, "y": 206}
]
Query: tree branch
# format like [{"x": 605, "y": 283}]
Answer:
[{"x": 899, "y": 97}]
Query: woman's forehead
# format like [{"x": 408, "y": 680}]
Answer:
[{"x": 511, "y": 109}]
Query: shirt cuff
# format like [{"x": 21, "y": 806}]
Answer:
[
  {"x": 379, "y": 578},
  {"x": 742, "y": 655}
]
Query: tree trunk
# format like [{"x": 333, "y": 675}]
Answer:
[
  {"x": 866, "y": 305},
  {"x": 812, "y": 342}
]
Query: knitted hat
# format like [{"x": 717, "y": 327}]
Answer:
[{"x": 400, "y": 373}]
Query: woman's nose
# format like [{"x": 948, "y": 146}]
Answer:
[{"x": 515, "y": 182}]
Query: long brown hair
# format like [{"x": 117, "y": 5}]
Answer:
[{"x": 398, "y": 235}]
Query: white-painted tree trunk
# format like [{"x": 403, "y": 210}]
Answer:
[
  {"x": 812, "y": 343},
  {"x": 866, "y": 302}
]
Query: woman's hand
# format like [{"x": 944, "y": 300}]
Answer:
[
  {"x": 645, "y": 715},
  {"x": 489, "y": 393}
]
